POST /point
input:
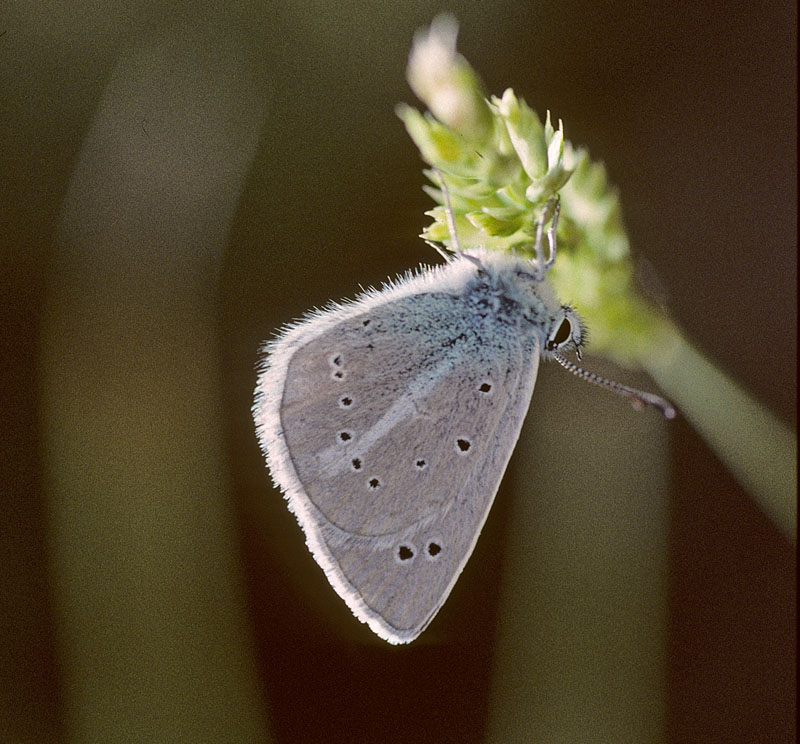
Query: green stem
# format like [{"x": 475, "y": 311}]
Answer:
[{"x": 758, "y": 448}]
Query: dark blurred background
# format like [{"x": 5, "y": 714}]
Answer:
[{"x": 692, "y": 107}]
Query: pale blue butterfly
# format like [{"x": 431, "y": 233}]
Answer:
[{"x": 388, "y": 421}]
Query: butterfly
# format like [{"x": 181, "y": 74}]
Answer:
[{"x": 388, "y": 421}]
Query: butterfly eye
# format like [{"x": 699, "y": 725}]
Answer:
[
  {"x": 569, "y": 331},
  {"x": 563, "y": 333}
]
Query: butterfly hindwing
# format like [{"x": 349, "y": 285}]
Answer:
[{"x": 391, "y": 442}]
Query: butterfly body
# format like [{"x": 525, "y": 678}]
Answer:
[{"x": 388, "y": 423}]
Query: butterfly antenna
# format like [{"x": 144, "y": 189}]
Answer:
[
  {"x": 639, "y": 398},
  {"x": 448, "y": 210}
]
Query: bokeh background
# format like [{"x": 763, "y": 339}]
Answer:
[{"x": 178, "y": 181}]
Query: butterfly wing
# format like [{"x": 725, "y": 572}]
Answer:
[{"x": 389, "y": 425}]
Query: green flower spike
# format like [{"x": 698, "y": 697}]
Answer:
[{"x": 502, "y": 166}]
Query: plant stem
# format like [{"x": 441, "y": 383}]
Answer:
[{"x": 758, "y": 448}]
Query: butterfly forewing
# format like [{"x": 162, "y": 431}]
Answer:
[{"x": 394, "y": 439}]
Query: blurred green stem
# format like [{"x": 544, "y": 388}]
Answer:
[
  {"x": 148, "y": 588},
  {"x": 580, "y": 645},
  {"x": 758, "y": 448}
]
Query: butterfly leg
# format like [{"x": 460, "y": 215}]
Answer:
[{"x": 542, "y": 265}]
